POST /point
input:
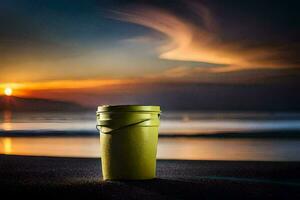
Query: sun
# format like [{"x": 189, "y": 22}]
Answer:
[{"x": 8, "y": 91}]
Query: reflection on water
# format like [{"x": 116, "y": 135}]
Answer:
[
  {"x": 7, "y": 121},
  {"x": 168, "y": 148},
  {"x": 7, "y": 146},
  {"x": 52, "y": 146}
]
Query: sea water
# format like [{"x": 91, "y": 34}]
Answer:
[{"x": 183, "y": 135}]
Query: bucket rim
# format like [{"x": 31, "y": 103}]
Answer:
[{"x": 128, "y": 108}]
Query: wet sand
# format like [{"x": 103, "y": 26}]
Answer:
[{"x": 41, "y": 177}]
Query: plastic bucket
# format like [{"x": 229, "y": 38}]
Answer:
[{"x": 128, "y": 141}]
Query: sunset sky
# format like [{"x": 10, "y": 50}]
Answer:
[{"x": 157, "y": 52}]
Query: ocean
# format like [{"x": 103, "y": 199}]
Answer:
[{"x": 183, "y": 135}]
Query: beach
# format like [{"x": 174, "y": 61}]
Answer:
[{"x": 41, "y": 177}]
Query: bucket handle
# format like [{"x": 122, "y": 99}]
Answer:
[{"x": 98, "y": 127}]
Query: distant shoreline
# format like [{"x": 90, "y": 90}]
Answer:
[{"x": 290, "y": 134}]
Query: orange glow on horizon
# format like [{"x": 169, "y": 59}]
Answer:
[{"x": 26, "y": 88}]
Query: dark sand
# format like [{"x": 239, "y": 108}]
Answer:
[{"x": 81, "y": 178}]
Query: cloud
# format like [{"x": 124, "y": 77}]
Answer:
[
  {"x": 189, "y": 41},
  {"x": 179, "y": 72},
  {"x": 200, "y": 75}
]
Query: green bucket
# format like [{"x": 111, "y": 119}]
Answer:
[{"x": 128, "y": 141}]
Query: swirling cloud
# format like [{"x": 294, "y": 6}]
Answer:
[{"x": 189, "y": 41}]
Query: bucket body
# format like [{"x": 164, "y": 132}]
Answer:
[{"x": 128, "y": 141}]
